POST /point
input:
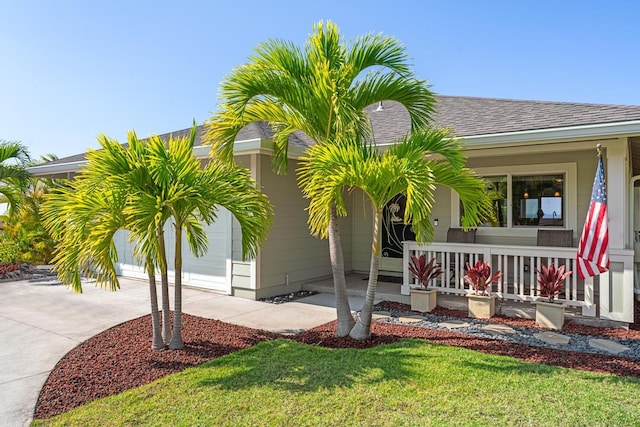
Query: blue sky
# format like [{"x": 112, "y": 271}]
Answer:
[{"x": 71, "y": 70}]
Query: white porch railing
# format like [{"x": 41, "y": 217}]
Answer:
[{"x": 517, "y": 263}]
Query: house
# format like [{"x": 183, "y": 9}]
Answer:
[{"x": 540, "y": 158}]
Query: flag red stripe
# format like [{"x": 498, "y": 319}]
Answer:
[{"x": 596, "y": 234}]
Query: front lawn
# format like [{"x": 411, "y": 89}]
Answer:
[{"x": 409, "y": 383}]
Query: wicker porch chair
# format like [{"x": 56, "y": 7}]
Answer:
[
  {"x": 557, "y": 238},
  {"x": 459, "y": 235}
]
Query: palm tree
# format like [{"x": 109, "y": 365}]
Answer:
[
  {"x": 407, "y": 168},
  {"x": 139, "y": 188},
  {"x": 192, "y": 197},
  {"x": 148, "y": 218},
  {"x": 13, "y": 176},
  {"x": 322, "y": 90},
  {"x": 84, "y": 216}
]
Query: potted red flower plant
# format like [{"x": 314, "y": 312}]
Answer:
[
  {"x": 480, "y": 278},
  {"x": 550, "y": 314},
  {"x": 424, "y": 299}
]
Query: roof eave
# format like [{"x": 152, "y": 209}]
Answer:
[
  {"x": 58, "y": 168},
  {"x": 593, "y": 131},
  {"x": 250, "y": 146}
]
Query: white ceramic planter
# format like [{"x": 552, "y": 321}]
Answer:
[
  {"x": 423, "y": 300},
  {"x": 549, "y": 315},
  {"x": 481, "y": 306}
]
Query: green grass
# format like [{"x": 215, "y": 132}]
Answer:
[{"x": 411, "y": 383}]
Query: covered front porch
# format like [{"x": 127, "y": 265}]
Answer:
[{"x": 602, "y": 300}]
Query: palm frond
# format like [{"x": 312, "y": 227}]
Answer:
[
  {"x": 14, "y": 150},
  {"x": 320, "y": 89},
  {"x": 470, "y": 188}
]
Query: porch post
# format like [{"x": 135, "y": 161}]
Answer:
[
  {"x": 404, "y": 290},
  {"x": 616, "y": 286},
  {"x": 617, "y": 181}
]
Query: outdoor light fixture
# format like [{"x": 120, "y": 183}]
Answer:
[
  {"x": 380, "y": 107},
  {"x": 436, "y": 222},
  {"x": 526, "y": 194}
]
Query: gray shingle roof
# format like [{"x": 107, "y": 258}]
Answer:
[
  {"x": 480, "y": 116},
  {"x": 466, "y": 116}
]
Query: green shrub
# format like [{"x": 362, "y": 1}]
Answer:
[{"x": 9, "y": 252}]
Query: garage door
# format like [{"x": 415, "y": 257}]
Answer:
[{"x": 211, "y": 271}]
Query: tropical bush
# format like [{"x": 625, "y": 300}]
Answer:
[
  {"x": 9, "y": 256},
  {"x": 424, "y": 271},
  {"x": 9, "y": 252},
  {"x": 24, "y": 195},
  {"x": 551, "y": 280},
  {"x": 479, "y": 277},
  {"x": 24, "y": 226}
]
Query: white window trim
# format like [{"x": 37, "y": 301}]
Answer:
[{"x": 569, "y": 170}]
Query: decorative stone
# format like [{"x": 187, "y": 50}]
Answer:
[
  {"x": 380, "y": 315},
  {"x": 411, "y": 319},
  {"x": 499, "y": 329},
  {"x": 454, "y": 324},
  {"x": 552, "y": 338},
  {"x": 607, "y": 345}
]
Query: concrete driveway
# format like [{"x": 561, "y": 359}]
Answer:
[{"x": 41, "y": 320}]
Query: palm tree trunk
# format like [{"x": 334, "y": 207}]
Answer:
[
  {"x": 164, "y": 280},
  {"x": 156, "y": 342},
  {"x": 362, "y": 329},
  {"x": 343, "y": 310},
  {"x": 176, "y": 340}
]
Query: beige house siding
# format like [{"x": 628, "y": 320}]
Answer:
[
  {"x": 241, "y": 283},
  {"x": 362, "y": 219},
  {"x": 240, "y": 270},
  {"x": 346, "y": 234},
  {"x": 290, "y": 256},
  {"x": 442, "y": 211}
]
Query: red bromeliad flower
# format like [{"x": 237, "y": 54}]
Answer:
[{"x": 479, "y": 277}]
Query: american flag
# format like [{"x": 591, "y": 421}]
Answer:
[{"x": 593, "y": 250}]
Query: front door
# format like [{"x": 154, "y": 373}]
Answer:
[{"x": 394, "y": 232}]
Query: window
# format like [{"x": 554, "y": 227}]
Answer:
[
  {"x": 537, "y": 200},
  {"x": 497, "y": 192},
  {"x": 532, "y": 196}
]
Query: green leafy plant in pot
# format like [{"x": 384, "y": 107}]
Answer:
[{"x": 424, "y": 299}]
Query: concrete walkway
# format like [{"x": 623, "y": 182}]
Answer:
[{"x": 41, "y": 320}]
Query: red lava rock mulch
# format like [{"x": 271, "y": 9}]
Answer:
[{"x": 120, "y": 358}]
